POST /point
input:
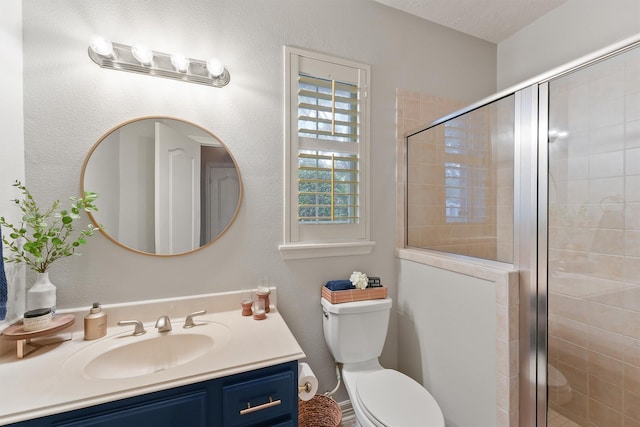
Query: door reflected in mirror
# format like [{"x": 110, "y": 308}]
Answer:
[{"x": 165, "y": 186}]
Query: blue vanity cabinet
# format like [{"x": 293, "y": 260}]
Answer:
[
  {"x": 258, "y": 401},
  {"x": 266, "y": 397}
]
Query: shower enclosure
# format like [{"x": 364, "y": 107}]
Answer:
[{"x": 547, "y": 177}]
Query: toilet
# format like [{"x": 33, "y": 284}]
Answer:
[
  {"x": 355, "y": 333},
  {"x": 560, "y": 391}
]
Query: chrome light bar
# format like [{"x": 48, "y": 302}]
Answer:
[{"x": 138, "y": 59}]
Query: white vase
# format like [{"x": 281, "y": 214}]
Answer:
[{"x": 42, "y": 294}]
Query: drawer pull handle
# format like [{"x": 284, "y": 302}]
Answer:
[{"x": 269, "y": 404}]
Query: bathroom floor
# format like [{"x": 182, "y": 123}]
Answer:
[
  {"x": 557, "y": 420},
  {"x": 554, "y": 420},
  {"x": 348, "y": 417}
]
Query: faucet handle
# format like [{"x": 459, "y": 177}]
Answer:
[
  {"x": 188, "y": 322},
  {"x": 139, "y": 327}
]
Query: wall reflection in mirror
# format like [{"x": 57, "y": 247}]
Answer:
[{"x": 165, "y": 186}]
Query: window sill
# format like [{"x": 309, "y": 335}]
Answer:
[{"x": 321, "y": 250}]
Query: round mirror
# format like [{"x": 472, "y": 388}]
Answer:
[{"x": 165, "y": 186}]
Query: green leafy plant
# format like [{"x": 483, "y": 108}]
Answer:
[{"x": 43, "y": 237}]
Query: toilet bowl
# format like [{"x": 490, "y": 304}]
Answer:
[
  {"x": 385, "y": 398},
  {"x": 560, "y": 391},
  {"x": 355, "y": 333}
]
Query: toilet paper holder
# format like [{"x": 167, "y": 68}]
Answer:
[
  {"x": 307, "y": 382},
  {"x": 306, "y": 387}
]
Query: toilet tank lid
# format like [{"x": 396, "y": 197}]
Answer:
[{"x": 357, "y": 306}]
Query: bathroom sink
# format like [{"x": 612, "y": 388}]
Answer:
[
  {"x": 148, "y": 356},
  {"x": 125, "y": 356}
]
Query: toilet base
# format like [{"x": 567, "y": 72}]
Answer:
[{"x": 350, "y": 372}]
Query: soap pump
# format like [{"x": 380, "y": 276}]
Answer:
[{"x": 95, "y": 323}]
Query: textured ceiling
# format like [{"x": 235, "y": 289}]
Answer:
[{"x": 491, "y": 20}]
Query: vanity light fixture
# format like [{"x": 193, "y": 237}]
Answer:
[
  {"x": 101, "y": 46},
  {"x": 557, "y": 134},
  {"x": 180, "y": 61},
  {"x": 215, "y": 67},
  {"x": 143, "y": 54},
  {"x": 140, "y": 59}
]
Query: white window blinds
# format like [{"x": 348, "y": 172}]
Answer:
[
  {"x": 327, "y": 109},
  {"x": 327, "y": 180}
]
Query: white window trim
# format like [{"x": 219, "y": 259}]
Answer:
[{"x": 293, "y": 247}]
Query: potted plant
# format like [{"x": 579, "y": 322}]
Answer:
[{"x": 43, "y": 237}]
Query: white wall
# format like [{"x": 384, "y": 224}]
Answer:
[
  {"x": 70, "y": 103},
  {"x": 447, "y": 340},
  {"x": 575, "y": 29},
  {"x": 12, "y": 141}
]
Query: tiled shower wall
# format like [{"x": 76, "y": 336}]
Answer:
[
  {"x": 594, "y": 243},
  {"x": 503, "y": 135},
  {"x": 481, "y": 142}
]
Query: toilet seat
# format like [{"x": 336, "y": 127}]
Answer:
[{"x": 392, "y": 399}]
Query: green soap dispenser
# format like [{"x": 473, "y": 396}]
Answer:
[{"x": 95, "y": 323}]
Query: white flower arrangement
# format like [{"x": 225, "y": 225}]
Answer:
[{"x": 359, "y": 280}]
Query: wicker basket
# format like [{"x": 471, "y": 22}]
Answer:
[
  {"x": 352, "y": 295},
  {"x": 319, "y": 411}
]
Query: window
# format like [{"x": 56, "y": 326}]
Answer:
[
  {"x": 326, "y": 165},
  {"x": 467, "y": 165}
]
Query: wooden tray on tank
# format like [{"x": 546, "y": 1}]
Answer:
[{"x": 352, "y": 295}]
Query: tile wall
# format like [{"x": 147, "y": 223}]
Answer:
[
  {"x": 594, "y": 244},
  {"x": 470, "y": 213}
]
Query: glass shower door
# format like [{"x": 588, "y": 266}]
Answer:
[{"x": 593, "y": 264}]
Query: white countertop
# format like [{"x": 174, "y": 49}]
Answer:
[{"x": 42, "y": 384}]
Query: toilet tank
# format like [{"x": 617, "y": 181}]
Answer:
[{"x": 356, "y": 331}]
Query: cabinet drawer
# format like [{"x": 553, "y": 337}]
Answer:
[
  {"x": 188, "y": 410},
  {"x": 259, "y": 400}
]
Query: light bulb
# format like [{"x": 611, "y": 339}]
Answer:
[
  {"x": 142, "y": 53},
  {"x": 102, "y": 46},
  {"x": 215, "y": 67},
  {"x": 181, "y": 62}
]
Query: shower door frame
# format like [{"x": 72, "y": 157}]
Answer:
[
  {"x": 527, "y": 228},
  {"x": 542, "y": 238}
]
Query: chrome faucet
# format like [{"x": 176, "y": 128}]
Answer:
[
  {"x": 163, "y": 324},
  {"x": 139, "y": 327}
]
